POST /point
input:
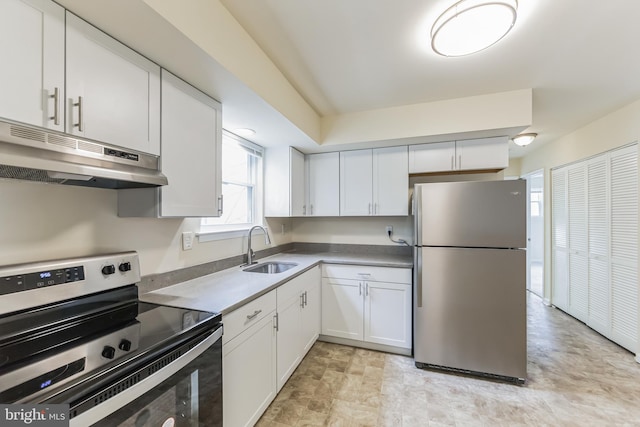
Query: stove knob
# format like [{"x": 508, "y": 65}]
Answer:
[
  {"x": 108, "y": 269},
  {"x": 124, "y": 267},
  {"x": 125, "y": 345},
  {"x": 108, "y": 352}
]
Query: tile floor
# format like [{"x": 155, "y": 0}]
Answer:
[{"x": 575, "y": 378}]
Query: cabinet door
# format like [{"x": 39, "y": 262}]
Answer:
[
  {"x": 485, "y": 153},
  {"x": 434, "y": 157},
  {"x": 311, "y": 311},
  {"x": 191, "y": 141},
  {"x": 356, "y": 196},
  {"x": 289, "y": 337},
  {"x": 120, "y": 90},
  {"x": 390, "y": 181},
  {"x": 324, "y": 184},
  {"x": 32, "y": 46},
  {"x": 342, "y": 308},
  {"x": 297, "y": 183},
  {"x": 249, "y": 374},
  {"x": 387, "y": 314}
]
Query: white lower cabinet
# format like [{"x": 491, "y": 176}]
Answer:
[
  {"x": 249, "y": 361},
  {"x": 298, "y": 306},
  {"x": 368, "y": 304}
]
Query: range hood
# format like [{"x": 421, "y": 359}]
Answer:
[{"x": 35, "y": 154}]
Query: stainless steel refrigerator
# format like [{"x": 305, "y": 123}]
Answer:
[{"x": 470, "y": 278}]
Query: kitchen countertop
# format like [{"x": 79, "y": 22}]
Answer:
[{"x": 226, "y": 290}]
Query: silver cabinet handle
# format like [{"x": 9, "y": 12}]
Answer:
[
  {"x": 360, "y": 288},
  {"x": 253, "y": 316},
  {"x": 364, "y": 274},
  {"x": 305, "y": 298},
  {"x": 302, "y": 300},
  {"x": 375, "y": 208},
  {"x": 460, "y": 161},
  {"x": 80, "y": 124},
  {"x": 366, "y": 289},
  {"x": 56, "y": 106},
  {"x": 311, "y": 213},
  {"x": 451, "y": 162},
  {"x": 369, "y": 208},
  {"x": 304, "y": 209},
  {"x": 220, "y": 204},
  {"x": 276, "y": 322}
]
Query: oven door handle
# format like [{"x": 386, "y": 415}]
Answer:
[{"x": 122, "y": 399}]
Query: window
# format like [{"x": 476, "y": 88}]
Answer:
[{"x": 241, "y": 186}]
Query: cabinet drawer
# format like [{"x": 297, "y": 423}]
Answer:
[
  {"x": 247, "y": 315},
  {"x": 362, "y": 272}
]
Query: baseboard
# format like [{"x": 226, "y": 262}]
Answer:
[{"x": 367, "y": 345}]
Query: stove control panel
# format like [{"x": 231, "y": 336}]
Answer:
[{"x": 40, "y": 279}]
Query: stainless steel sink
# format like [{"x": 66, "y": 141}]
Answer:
[{"x": 271, "y": 267}]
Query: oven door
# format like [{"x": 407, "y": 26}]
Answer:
[{"x": 181, "y": 388}]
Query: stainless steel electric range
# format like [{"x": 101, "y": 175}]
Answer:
[{"x": 73, "y": 332}]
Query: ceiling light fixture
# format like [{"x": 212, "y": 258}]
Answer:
[
  {"x": 246, "y": 132},
  {"x": 470, "y": 26},
  {"x": 524, "y": 139}
]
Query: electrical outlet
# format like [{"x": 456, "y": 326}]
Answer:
[
  {"x": 389, "y": 229},
  {"x": 187, "y": 240}
]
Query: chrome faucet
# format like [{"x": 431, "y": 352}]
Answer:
[{"x": 250, "y": 254}]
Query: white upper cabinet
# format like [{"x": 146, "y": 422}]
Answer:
[
  {"x": 464, "y": 155},
  {"x": 390, "y": 181},
  {"x": 374, "y": 182},
  {"x": 32, "y": 71},
  {"x": 191, "y": 141},
  {"x": 356, "y": 183},
  {"x": 285, "y": 182},
  {"x": 324, "y": 184},
  {"x": 112, "y": 92}
]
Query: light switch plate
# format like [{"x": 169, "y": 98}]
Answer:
[{"x": 187, "y": 240}]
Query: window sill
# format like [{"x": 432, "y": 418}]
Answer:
[{"x": 210, "y": 235}]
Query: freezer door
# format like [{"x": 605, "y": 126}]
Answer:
[
  {"x": 471, "y": 214},
  {"x": 470, "y": 310}
]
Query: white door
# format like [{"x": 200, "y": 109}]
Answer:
[
  {"x": 356, "y": 197},
  {"x": 249, "y": 374},
  {"x": 113, "y": 93},
  {"x": 434, "y": 157},
  {"x": 598, "y": 240},
  {"x": 390, "y": 181},
  {"x": 342, "y": 308},
  {"x": 387, "y": 314},
  {"x": 297, "y": 183},
  {"x": 289, "y": 338},
  {"x": 324, "y": 184},
  {"x": 484, "y": 153},
  {"x": 624, "y": 247},
  {"x": 535, "y": 232},
  {"x": 32, "y": 46},
  {"x": 578, "y": 247},
  {"x": 191, "y": 141},
  {"x": 311, "y": 312},
  {"x": 559, "y": 234}
]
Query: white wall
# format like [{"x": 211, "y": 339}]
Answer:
[
  {"x": 50, "y": 221},
  {"x": 611, "y": 131},
  {"x": 347, "y": 230}
]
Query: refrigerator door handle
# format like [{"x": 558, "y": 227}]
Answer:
[
  {"x": 417, "y": 206},
  {"x": 418, "y": 276}
]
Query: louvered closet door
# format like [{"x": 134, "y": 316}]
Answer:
[
  {"x": 560, "y": 217},
  {"x": 578, "y": 260},
  {"x": 598, "y": 221},
  {"x": 624, "y": 247}
]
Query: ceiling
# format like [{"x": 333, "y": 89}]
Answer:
[{"x": 580, "y": 57}]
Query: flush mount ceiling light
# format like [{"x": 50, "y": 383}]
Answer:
[
  {"x": 470, "y": 26},
  {"x": 246, "y": 132},
  {"x": 524, "y": 139}
]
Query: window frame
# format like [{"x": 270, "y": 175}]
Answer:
[{"x": 209, "y": 232}]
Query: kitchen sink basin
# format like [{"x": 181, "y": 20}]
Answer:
[{"x": 270, "y": 267}]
